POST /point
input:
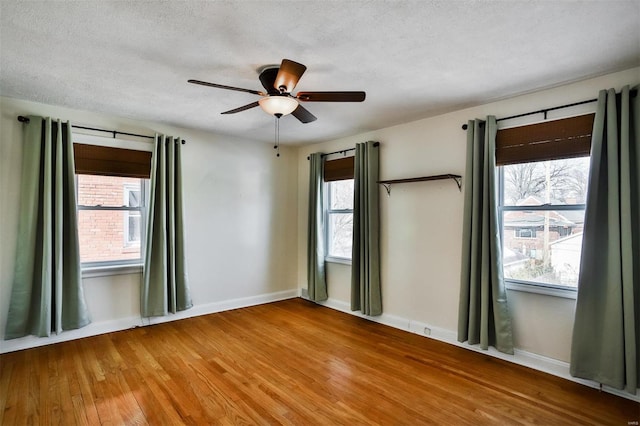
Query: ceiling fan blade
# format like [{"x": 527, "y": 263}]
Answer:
[
  {"x": 331, "y": 96},
  {"x": 302, "y": 114},
  {"x": 268, "y": 79},
  {"x": 242, "y": 108},
  {"x": 221, "y": 86},
  {"x": 288, "y": 75}
]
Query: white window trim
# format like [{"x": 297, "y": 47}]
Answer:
[
  {"x": 531, "y": 286},
  {"x": 128, "y": 188},
  {"x": 109, "y": 270},
  {"x": 340, "y": 260},
  {"x": 137, "y": 145},
  {"x": 130, "y": 266},
  {"x": 327, "y": 212}
]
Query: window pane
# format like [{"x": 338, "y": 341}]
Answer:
[
  {"x": 340, "y": 234},
  {"x": 543, "y": 246},
  {"x": 103, "y": 236},
  {"x": 108, "y": 191},
  {"x": 546, "y": 182},
  {"x": 341, "y": 195},
  {"x": 134, "y": 197},
  {"x": 133, "y": 228}
]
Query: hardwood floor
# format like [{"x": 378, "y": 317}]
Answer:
[{"x": 289, "y": 362}]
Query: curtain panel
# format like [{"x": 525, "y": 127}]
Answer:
[
  {"x": 47, "y": 294},
  {"x": 483, "y": 313},
  {"x": 606, "y": 332},
  {"x": 366, "y": 289},
  {"x": 316, "y": 280},
  {"x": 165, "y": 283}
]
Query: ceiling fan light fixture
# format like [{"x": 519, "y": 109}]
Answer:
[{"x": 278, "y": 105}]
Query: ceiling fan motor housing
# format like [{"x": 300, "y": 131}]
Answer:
[{"x": 268, "y": 77}]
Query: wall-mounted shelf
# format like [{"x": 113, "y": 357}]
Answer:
[{"x": 387, "y": 183}]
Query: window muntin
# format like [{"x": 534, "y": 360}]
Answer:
[
  {"x": 339, "y": 214},
  {"x": 110, "y": 219},
  {"x": 542, "y": 218}
]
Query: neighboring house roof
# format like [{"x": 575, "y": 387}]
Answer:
[
  {"x": 568, "y": 239},
  {"x": 535, "y": 219}
]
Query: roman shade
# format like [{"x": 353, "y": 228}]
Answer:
[
  {"x": 339, "y": 169},
  {"x": 550, "y": 140},
  {"x": 110, "y": 161}
]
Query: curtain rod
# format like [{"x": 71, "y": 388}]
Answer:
[
  {"x": 342, "y": 151},
  {"x": 540, "y": 111},
  {"x": 24, "y": 119}
]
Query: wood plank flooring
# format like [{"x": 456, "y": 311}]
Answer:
[{"x": 290, "y": 362}]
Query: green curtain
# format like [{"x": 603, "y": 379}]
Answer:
[
  {"x": 606, "y": 332},
  {"x": 483, "y": 314},
  {"x": 47, "y": 294},
  {"x": 316, "y": 281},
  {"x": 366, "y": 290},
  {"x": 165, "y": 284}
]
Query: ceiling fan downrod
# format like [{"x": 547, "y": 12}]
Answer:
[{"x": 277, "y": 135}]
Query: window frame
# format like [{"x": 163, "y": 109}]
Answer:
[
  {"x": 122, "y": 266},
  {"x": 525, "y": 285},
  {"x": 328, "y": 211},
  {"x": 142, "y": 209},
  {"x": 128, "y": 189},
  {"x": 575, "y": 124}
]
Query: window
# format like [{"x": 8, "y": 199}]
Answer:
[
  {"x": 109, "y": 230},
  {"x": 338, "y": 175},
  {"x": 542, "y": 203},
  {"x": 339, "y": 218},
  {"x": 525, "y": 232},
  {"x": 111, "y": 184}
]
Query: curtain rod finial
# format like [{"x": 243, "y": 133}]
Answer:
[
  {"x": 464, "y": 127},
  {"x": 23, "y": 119}
]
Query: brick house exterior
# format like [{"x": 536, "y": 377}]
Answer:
[{"x": 107, "y": 235}]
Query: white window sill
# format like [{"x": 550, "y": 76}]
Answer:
[
  {"x": 105, "y": 271},
  {"x": 567, "y": 293},
  {"x": 340, "y": 260}
]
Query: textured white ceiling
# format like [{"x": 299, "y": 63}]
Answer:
[{"x": 413, "y": 58}]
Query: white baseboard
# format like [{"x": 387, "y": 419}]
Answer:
[
  {"x": 102, "y": 327},
  {"x": 227, "y": 305},
  {"x": 93, "y": 329},
  {"x": 527, "y": 359}
]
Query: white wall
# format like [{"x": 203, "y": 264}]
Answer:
[
  {"x": 239, "y": 206},
  {"x": 421, "y": 223}
]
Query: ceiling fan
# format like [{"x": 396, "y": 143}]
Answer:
[{"x": 279, "y": 82}]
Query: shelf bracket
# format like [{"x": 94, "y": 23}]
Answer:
[
  {"x": 458, "y": 180},
  {"x": 387, "y": 186}
]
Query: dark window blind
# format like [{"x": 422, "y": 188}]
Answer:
[
  {"x": 550, "y": 140},
  {"x": 109, "y": 161},
  {"x": 339, "y": 169}
]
